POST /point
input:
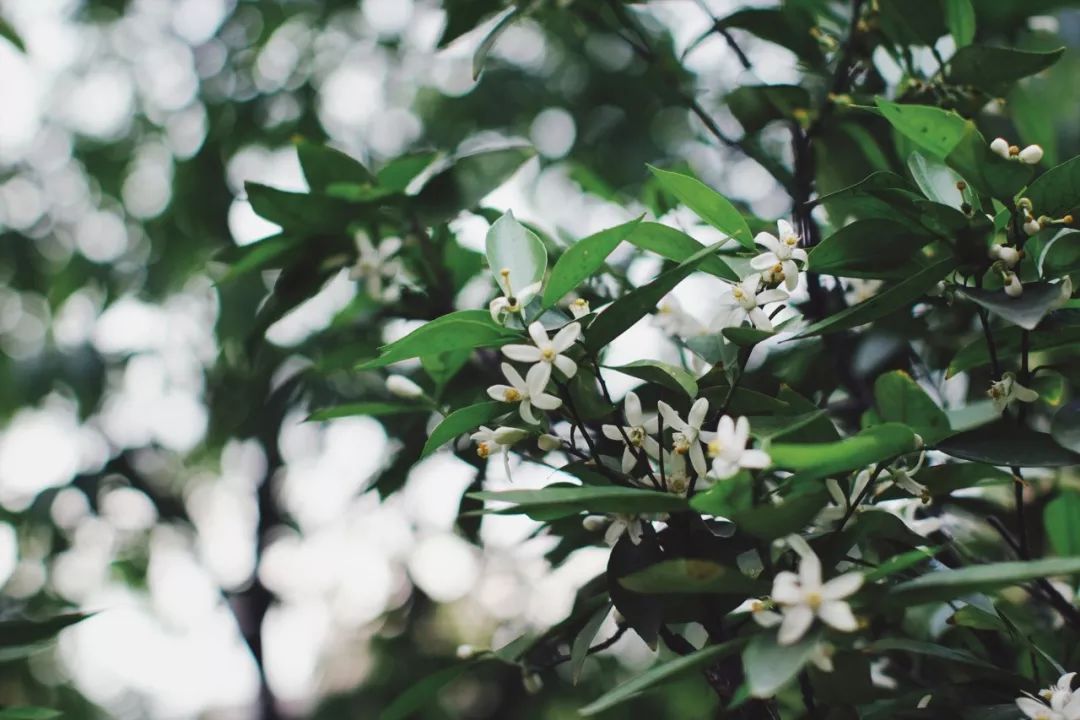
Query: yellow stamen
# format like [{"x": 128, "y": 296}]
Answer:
[
  {"x": 511, "y": 395},
  {"x": 483, "y": 449},
  {"x": 814, "y": 600}
]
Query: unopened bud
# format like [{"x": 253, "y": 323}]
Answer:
[
  {"x": 532, "y": 682},
  {"x": 919, "y": 442},
  {"x": 1031, "y": 155},
  {"x": 509, "y": 435},
  {"x": 465, "y": 652},
  {"x": 579, "y": 308},
  {"x": 594, "y": 523},
  {"x": 403, "y": 387},
  {"x": 1001, "y": 147},
  {"x": 1032, "y": 226},
  {"x": 548, "y": 443},
  {"x": 1013, "y": 288},
  {"x": 1068, "y": 219},
  {"x": 961, "y": 185}
]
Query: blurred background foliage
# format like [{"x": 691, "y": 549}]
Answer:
[{"x": 152, "y": 455}]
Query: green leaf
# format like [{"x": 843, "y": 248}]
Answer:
[
  {"x": 900, "y": 399},
  {"x": 1065, "y": 427},
  {"x": 28, "y": 713},
  {"x": 1003, "y": 443},
  {"x": 886, "y": 302},
  {"x": 399, "y": 172},
  {"x": 1007, "y": 340},
  {"x": 301, "y": 213},
  {"x": 512, "y": 246},
  {"x": 936, "y": 179},
  {"x": 618, "y": 317},
  {"x": 461, "y": 421},
  {"x": 582, "y": 259},
  {"x": 773, "y": 426},
  {"x": 710, "y": 206},
  {"x": 654, "y": 371},
  {"x": 371, "y": 409},
  {"x": 259, "y": 255},
  {"x": 678, "y": 246},
  {"x": 1057, "y": 191},
  {"x": 323, "y": 166},
  {"x": 770, "y": 666},
  {"x": 786, "y": 26},
  {"x": 1063, "y": 256},
  {"x": 992, "y": 69},
  {"x": 662, "y": 673},
  {"x": 583, "y": 640},
  {"x": 468, "y": 181},
  {"x": 1027, "y": 311},
  {"x": 456, "y": 331},
  {"x": 935, "y": 130},
  {"x": 899, "y": 563},
  {"x": 746, "y": 336},
  {"x": 8, "y": 33},
  {"x": 561, "y": 500},
  {"x": 943, "y": 479},
  {"x": 876, "y": 248},
  {"x": 484, "y": 49},
  {"x": 960, "y": 19},
  {"x": 1062, "y": 518},
  {"x": 766, "y": 522},
  {"x": 943, "y": 585},
  {"x": 691, "y": 575},
  {"x": 19, "y": 638},
  {"x": 423, "y": 692},
  {"x": 463, "y": 16},
  {"x": 984, "y": 169},
  {"x": 874, "y": 444}
]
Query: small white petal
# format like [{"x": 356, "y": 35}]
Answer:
[
  {"x": 567, "y": 366},
  {"x": 565, "y": 338},
  {"x": 785, "y": 589},
  {"x": 755, "y": 459},
  {"x": 698, "y": 411},
  {"x": 632, "y": 408},
  {"x": 837, "y": 614},
  {"x": 797, "y": 621},
  {"x": 841, "y": 587},
  {"x": 522, "y": 353},
  {"x": 538, "y": 334}
]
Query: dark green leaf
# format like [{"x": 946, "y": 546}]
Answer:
[
  {"x": 399, "y": 172},
  {"x": 663, "y": 374},
  {"x": 690, "y": 575},
  {"x": 1062, "y": 519},
  {"x": 1007, "y": 340},
  {"x": 874, "y": 444},
  {"x": 960, "y": 18},
  {"x": 456, "y": 331},
  {"x": 746, "y": 336},
  {"x": 678, "y": 246},
  {"x": 1063, "y": 256},
  {"x": 943, "y": 479},
  {"x": 583, "y": 640},
  {"x": 371, "y": 409},
  {"x": 662, "y": 673},
  {"x": 886, "y": 302},
  {"x": 770, "y": 666},
  {"x": 1057, "y": 191},
  {"x": 8, "y": 33},
  {"x": 1027, "y": 311},
  {"x": 873, "y": 248},
  {"x": 301, "y": 213},
  {"x": 484, "y": 49},
  {"x": 1065, "y": 427},
  {"x": 943, "y": 585},
  {"x": 468, "y": 181},
  {"x": 562, "y": 500},
  {"x": 461, "y": 421},
  {"x": 19, "y": 638},
  {"x": 900, "y": 399},
  {"x": 423, "y": 693},
  {"x": 1005, "y": 444},
  {"x": 28, "y": 713},
  {"x": 512, "y": 246},
  {"x": 992, "y": 69},
  {"x": 323, "y": 166},
  {"x": 582, "y": 259},
  {"x": 755, "y": 106},
  {"x": 935, "y": 130},
  {"x": 710, "y": 206}
]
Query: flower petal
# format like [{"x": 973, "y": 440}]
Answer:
[
  {"x": 797, "y": 621},
  {"x": 538, "y": 333},
  {"x": 771, "y": 296},
  {"x": 565, "y": 338},
  {"x": 785, "y": 589},
  {"x": 755, "y": 459},
  {"x": 526, "y": 411},
  {"x": 545, "y": 401},
  {"x": 632, "y": 408},
  {"x": 515, "y": 377},
  {"x": 629, "y": 460},
  {"x": 767, "y": 240},
  {"x": 697, "y": 459},
  {"x": 522, "y": 353},
  {"x": 671, "y": 418},
  {"x": 567, "y": 366},
  {"x": 1032, "y": 708},
  {"x": 536, "y": 379},
  {"x": 498, "y": 392},
  {"x": 841, "y": 587},
  {"x": 837, "y": 614},
  {"x": 698, "y": 410},
  {"x": 764, "y": 260},
  {"x": 760, "y": 319},
  {"x": 810, "y": 571},
  {"x": 611, "y": 432}
]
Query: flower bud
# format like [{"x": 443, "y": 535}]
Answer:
[
  {"x": 465, "y": 652},
  {"x": 1032, "y": 226},
  {"x": 579, "y": 308},
  {"x": 594, "y": 523},
  {"x": 1009, "y": 256},
  {"x": 919, "y": 442},
  {"x": 1013, "y": 288},
  {"x": 509, "y": 435},
  {"x": 532, "y": 682},
  {"x": 403, "y": 387},
  {"x": 1001, "y": 147},
  {"x": 1031, "y": 155},
  {"x": 548, "y": 443}
]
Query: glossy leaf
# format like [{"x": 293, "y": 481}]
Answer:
[
  {"x": 1026, "y": 311},
  {"x": 935, "y": 130},
  {"x": 512, "y": 246},
  {"x": 1065, "y": 427},
  {"x": 19, "y": 638},
  {"x": 371, "y": 409},
  {"x": 561, "y": 500},
  {"x": 1005, "y": 444},
  {"x": 691, "y": 575},
  {"x": 960, "y": 19},
  {"x": 769, "y": 666},
  {"x": 874, "y": 444},
  {"x": 992, "y": 69},
  {"x": 456, "y": 331},
  {"x": 1057, "y": 191},
  {"x": 579, "y": 651},
  {"x": 873, "y": 248},
  {"x": 484, "y": 48},
  {"x": 662, "y": 673},
  {"x": 902, "y": 294},
  {"x": 900, "y": 399},
  {"x": 678, "y": 246},
  {"x": 323, "y": 166},
  {"x": 943, "y": 585},
  {"x": 1062, "y": 519},
  {"x": 463, "y": 420},
  {"x": 582, "y": 259},
  {"x": 668, "y": 376},
  {"x": 1062, "y": 257},
  {"x": 468, "y": 180},
  {"x": 423, "y": 693},
  {"x": 709, "y": 205},
  {"x": 1007, "y": 340}
]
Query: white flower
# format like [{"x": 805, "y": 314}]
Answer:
[
  {"x": 1013, "y": 287},
  {"x": 548, "y": 442},
  {"x": 499, "y": 439},
  {"x": 376, "y": 266},
  {"x": 1066, "y": 287},
  {"x": 878, "y": 678},
  {"x": 762, "y": 612},
  {"x": 545, "y": 350},
  {"x": 510, "y": 302},
  {"x": 579, "y": 308},
  {"x": 1059, "y": 702},
  {"x": 1031, "y": 155},
  {"x": 821, "y": 656},
  {"x": 675, "y": 474},
  {"x": 744, "y": 302},
  {"x": 638, "y": 431},
  {"x": 673, "y": 320},
  {"x": 1009, "y": 256},
  {"x": 623, "y": 523},
  {"x": 1001, "y": 147},
  {"x": 841, "y": 504},
  {"x": 687, "y": 437},
  {"x": 1007, "y": 389},
  {"x": 782, "y": 252},
  {"x": 403, "y": 387},
  {"x": 529, "y": 392},
  {"x": 727, "y": 448},
  {"x": 903, "y": 479},
  {"x": 803, "y": 597}
]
